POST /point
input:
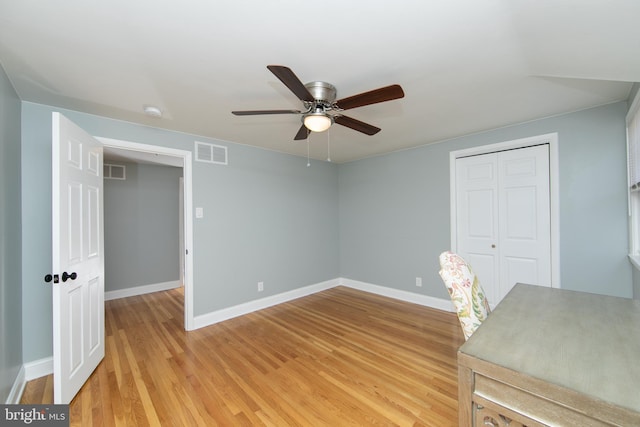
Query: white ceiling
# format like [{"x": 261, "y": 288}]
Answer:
[{"x": 465, "y": 65}]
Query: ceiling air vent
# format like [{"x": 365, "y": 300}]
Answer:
[{"x": 211, "y": 153}]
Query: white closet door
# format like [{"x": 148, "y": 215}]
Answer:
[
  {"x": 503, "y": 218},
  {"x": 525, "y": 225},
  {"x": 477, "y": 218}
]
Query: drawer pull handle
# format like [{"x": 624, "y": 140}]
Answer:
[{"x": 489, "y": 421}]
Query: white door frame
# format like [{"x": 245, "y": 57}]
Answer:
[
  {"x": 554, "y": 189},
  {"x": 189, "y": 323}
]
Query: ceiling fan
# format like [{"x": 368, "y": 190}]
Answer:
[{"x": 321, "y": 109}]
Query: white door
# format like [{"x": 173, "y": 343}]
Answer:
[
  {"x": 477, "y": 218},
  {"x": 503, "y": 218},
  {"x": 524, "y": 218},
  {"x": 78, "y": 300}
]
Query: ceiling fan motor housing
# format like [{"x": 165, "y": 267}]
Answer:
[
  {"x": 316, "y": 118},
  {"x": 323, "y": 92}
]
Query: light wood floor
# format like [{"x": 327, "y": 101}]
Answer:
[{"x": 336, "y": 358}]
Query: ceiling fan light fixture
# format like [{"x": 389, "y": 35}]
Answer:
[{"x": 317, "y": 122}]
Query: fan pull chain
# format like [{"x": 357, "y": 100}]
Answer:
[
  {"x": 328, "y": 145},
  {"x": 308, "y": 163}
]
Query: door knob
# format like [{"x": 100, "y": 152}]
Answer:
[{"x": 71, "y": 276}]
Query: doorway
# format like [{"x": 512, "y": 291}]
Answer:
[{"x": 136, "y": 152}]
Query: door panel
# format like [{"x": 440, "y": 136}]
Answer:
[
  {"x": 519, "y": 270},
  {"x": 74, "y": 328},
  {"x": 93, "y": 215},
  {"x": 96, "y": 300},
  {"x": 74, "y": 234},
  {"x": 525, "y": 217},
  {"x": 483, "y": 265},
  {"x": 481, "y": 226},
  {"x": 477, "y": 224},
  {"x": 77, "y": 225}
]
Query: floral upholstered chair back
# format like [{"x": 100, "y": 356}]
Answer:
[{"x": 466, "y": 293}]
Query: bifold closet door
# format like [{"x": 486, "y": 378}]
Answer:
[{"x": 503, "y": 218}]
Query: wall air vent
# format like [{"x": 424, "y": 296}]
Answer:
[
  {"x": 211, "y": 153},
  {"x": 114, "y": 171}
]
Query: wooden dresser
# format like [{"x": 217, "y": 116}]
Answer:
[{"x": 552, "y": 357}]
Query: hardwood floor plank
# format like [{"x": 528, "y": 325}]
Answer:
[{"x": 339, "y": 357}]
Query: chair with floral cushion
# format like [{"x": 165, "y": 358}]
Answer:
[{"x": 466, "y": 293}]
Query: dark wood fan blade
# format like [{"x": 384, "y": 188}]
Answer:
[
  {"x": 291, "y": 81},
  {"x": 372, "y": 97},
  {"x": 258, "y": 112},
  {"x": 303, "y": 133},
  {"x": 356, "y": 125}
]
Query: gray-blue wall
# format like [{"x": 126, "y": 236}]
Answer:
[
  {"x": 10, "y": 243},
  {"x": 141, "y": 240},
  {"x": 383, "y": 220},
  {"x": 395, "y": 211},
  {"x": 267, "y": 217}
]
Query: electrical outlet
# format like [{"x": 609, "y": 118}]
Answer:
[
  {"x": 260, "y": 286},
  {"x": 419, "y": 281}
]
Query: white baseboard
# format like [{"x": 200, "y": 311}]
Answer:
[
  {"x": 141, "y": 290},
  {"x": 251, "y": 306},
  {"x": 38, "y": 368},
  {"x": 29, "y": 371},
  {"x": 18, "y": 388},
  {"x": 427, "y": 301}
]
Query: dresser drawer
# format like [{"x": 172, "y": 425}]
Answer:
[
  {"x": 524, "y": 407},
  {"x": 488, "y": 414}
]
